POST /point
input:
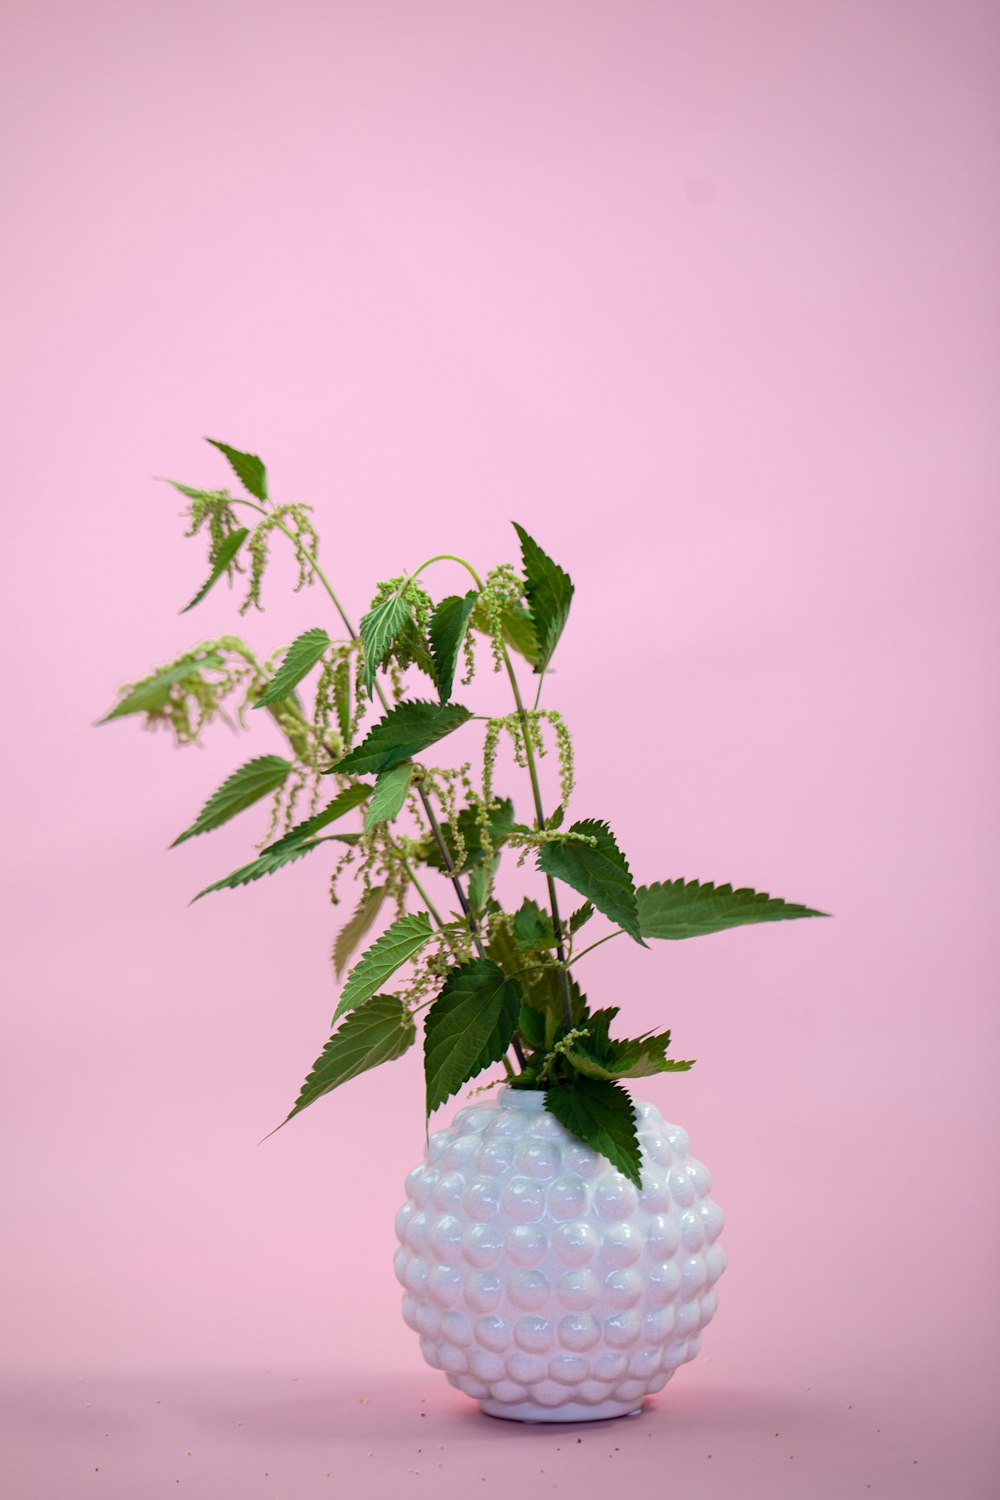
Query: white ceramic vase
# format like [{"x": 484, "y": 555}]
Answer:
[{"x": 540, "y": 1280}]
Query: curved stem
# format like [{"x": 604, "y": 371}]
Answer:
[
  {"x": 583, "y": 951},
  {"x": 450, "y": 557}
]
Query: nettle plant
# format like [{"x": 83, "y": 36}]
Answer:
[{"x": 490, "y": 981}]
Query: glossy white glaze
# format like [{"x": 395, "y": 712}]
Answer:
[{"x": 539, "y": 1279}]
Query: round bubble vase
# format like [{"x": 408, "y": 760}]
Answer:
[{"x": 541, "y": 1281}]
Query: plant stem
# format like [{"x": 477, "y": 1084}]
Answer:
[
  {"x": 540, "y": 818},
  {"x": 620, "y": 933},
  {"x": 449, "y": 557},
  {"x": 435, "y": 915}
]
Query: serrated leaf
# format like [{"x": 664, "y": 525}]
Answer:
[
  {"x": 389, "y": 795},
  {"x": 532, "y": 925},
  {"x": 154, "y": 691},
  {"x": 501, "y": 822},
  {"x": 449, "y": 623},
  {"x": 263, "y": 774},
  {"x": 194, "y": 494},
  {"x": 300, "y": 658},
  {"x": 342, "y": 696},
  {"x": 598, "y": 1026},
  {"x": 223, "y": 560},
  {"x": 549, "y": 593},
  {"x": 599, "y": 1057},
  {"x": 519, "y": 632},
  {"x": 357, "y": 926},
  {"x": 543, "y": 990},
  {"x": 503, "y": 950},
  {"x": 598, "y": 871},
  {"x": 412, "y": 647},
  {"x": 269, "y": 861},
  {"x": 682, "y": 909},
  {"x": 398, "y": 943},
  {"x": 601, "y": 1114},
  {"x": 643, "y": 1064},
  {"x": 379, "y": 1031},
  {"x": 581, "y": 916},
  {"x": 378, "y": 630},
  {"x": 344, "y": 802},
  {"x": 247, "y": 467},
  {"x": 531, "y": 1025},
  {"x": 479, "y": 879},
  {"x": 406, "y": 730},
  {"x": 469, "y": 1026}
]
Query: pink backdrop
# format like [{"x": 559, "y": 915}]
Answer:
[{"x": 705, "y": 296}]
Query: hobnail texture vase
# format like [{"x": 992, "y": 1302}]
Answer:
[{"x": 540, "y": 1280}]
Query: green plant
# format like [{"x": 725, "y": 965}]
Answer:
[{"x": 490, "y": 981}]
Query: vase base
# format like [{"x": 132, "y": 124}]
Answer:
[{"x": 572, "y": 1411}]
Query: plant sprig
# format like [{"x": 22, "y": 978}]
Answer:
[{"x": 487, "y": 980}]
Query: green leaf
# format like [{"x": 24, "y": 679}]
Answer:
[
  {"x": 598, "y": 1025},
  {"x": 543, "y": 990},
  {"x": 478, "y": 884},
  {"x": 531, "y": 1025},
  {"x": 643, "y": 1062},
  {"x": 599, "y": 1113},
  {"x": 154, "y": 692},
  {"x": 247, "y": 467},
  {"x": 501, "y": 822},
  {"x": 193, "y": 494},
  {"x": 503, "y": 950},
  {"x": 300, "y": 658},
  {"x": 344, "y": 802},
  {"x": 469, "y": 1026},
  {"x": 379, "y": 1031},
  {"x": 398, "y": 943},
  {"x": 598, "y": 871},
  {"x": 223, "y": 561},
  {"x": 582, "y": 915},
  {"x": 357, "y": 926},
  {"x": 342, "y": 696},
  {"x": 682, "y": 909},
  {"x": 532, "y": 925},
  {"x": 412, "y": 647},
  {"x": 449, "y": 623},
  {"x": 519, "y": 632},
  {"x": 263, "y": 774},
  {"x": 549, "y": 593},
  {"x": 640, "y": 1058},
  {"x": 389, "y": 795},
  {"x": 379, "y": 629},
  {"x": 406, "y": 730},
  {"x": 266, "y": 864}
]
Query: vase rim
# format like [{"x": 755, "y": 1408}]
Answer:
[{"x": 523, "y": 1098}]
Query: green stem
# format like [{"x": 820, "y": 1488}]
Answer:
[
  {"x": 584, "y": 951},
  {"x": 540, "y": 818},
  {"x": 450, "y": 557},
  {"x": 435, "y": 915}
]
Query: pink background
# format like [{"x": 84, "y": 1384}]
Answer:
[{"x": 705, "y": 296}]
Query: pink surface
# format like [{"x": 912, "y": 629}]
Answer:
[{"x": 706, "y": 298}]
